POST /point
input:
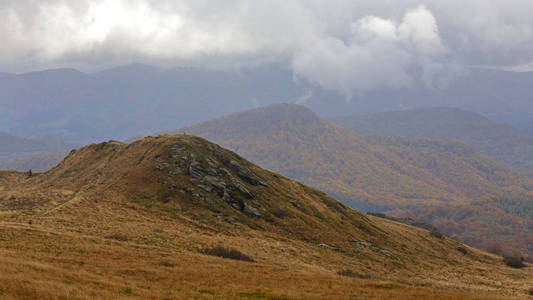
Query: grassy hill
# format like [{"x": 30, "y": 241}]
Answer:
[
  {"x": 374, "y": 173},
  {"x": 143, "y": 220},
  {"x": 502, "y": 142}
]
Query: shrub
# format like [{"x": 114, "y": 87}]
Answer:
[
  {"x": 126, "y": 291},
  {"x": 279, "y": 213},
  {"x": 462, "y": 250},
  {"x": 346, "y": 272},
  {"x": 350, "y": 273},
  {"x": 436, "y": 233},
  {"x": 379, "y": 215},
  {"x": 118, "y": 237},
  {"x": 163, "y": 195},
  {"x": 167, "y": 264},
  {"x": 514, "y": 260},
  {"x": 495, "y": 249},
  {"x": 226, "y": 253}
]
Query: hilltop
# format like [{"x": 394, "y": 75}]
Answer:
[
  {"x": 112, "y": 216},
  {"x": 501, "y": 142},
  {"x": 375, "y": 173}
]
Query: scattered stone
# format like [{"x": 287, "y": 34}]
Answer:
[
  {"x": 206, "y": 188},
  {"x": 195, "y": 170},
  {"x": 250, "y": 211},
  {"x": 327, "y": 246}
]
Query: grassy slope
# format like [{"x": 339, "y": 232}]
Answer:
[
  {"x": 125, "y": 190},
  {"x": 376, "y": 172}
]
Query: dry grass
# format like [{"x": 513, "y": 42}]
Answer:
[
  {"x": 74, "y": 266},
  {"x": 74, "y": 248}
]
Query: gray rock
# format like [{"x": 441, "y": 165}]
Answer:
[
  {"x": 196, "y": 171},
  {"x": 250, "y": 211},
  {"x": 327, "y": 246},
  {"x": 206, "y": 188}
]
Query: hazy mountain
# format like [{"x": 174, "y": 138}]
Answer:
[
  {"x": 125, "y": 101},
  {"x": 14, "y": 144},
  {"x": 139, "y": 99},
  {"x": 17, "y": 153},
  {"x": 36, "y": 162},
  {"x": 502, "y": 142},
  {"x": 147, "y": 209},
  {"x": 376, "y": 173}
]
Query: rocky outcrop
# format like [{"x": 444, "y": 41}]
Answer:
[{"x": 213, "y": 173}]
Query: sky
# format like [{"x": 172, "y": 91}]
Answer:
[{"x": 343, "y": 45}]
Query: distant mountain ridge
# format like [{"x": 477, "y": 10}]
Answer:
[
  {"x": 13, "y": 144},
  {"x": 17, "y": 153},
  {"x": 138, "y": 99},
  {"x": 35, "y": 162},
  {"x": 502, "y": 142}
]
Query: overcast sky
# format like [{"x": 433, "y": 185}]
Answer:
[{"x": 346, "y": 45}]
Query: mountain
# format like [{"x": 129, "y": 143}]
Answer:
[
  {"x": 112, "y": 216},
  {"x": 502, "y": 142},
  {"x": 35, "y": 162},
  {"x": 17, "y": 153},
  {"x": 138, "y": 99},
  {"x": 375, "y": 173},
  {"x": 502, "y": 217},
  {"x": 130, "y": 100},
  {"x": 14, "y": 144}
]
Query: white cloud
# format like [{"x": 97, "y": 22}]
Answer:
[
  {"x": 375, "y": 27},
  {"x": 380, "y": 53},
  {"x": 419, "y": 28}
]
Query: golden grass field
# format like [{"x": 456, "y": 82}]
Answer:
[{"x": 81, "y": 231}]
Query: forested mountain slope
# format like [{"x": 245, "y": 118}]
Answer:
[
  {"x": 502, "y": 142},
  {"x": 372, "y": 174}
]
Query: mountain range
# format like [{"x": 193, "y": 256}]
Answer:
[{"x": 131, "y": 100}]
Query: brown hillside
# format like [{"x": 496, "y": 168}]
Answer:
[{"x": 129, "y": 220}]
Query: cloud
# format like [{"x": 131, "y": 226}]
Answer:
[
  {"x": 379, "y": 53},
  {"x": 345, "y": 45}
]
